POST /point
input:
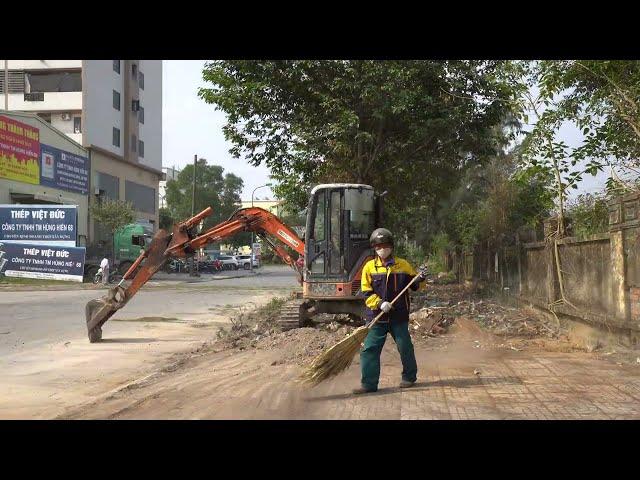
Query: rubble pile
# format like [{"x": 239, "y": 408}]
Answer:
[{"x": 436, "y": 311}]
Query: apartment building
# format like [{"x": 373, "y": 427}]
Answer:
[{"x": 113, "y": 108}]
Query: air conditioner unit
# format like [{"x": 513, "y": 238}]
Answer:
[
  {"x": 135, "y": 105},
  {"x": 66, "y": 116}
]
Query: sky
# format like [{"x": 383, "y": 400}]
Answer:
[{"x": 191, "y": 126}]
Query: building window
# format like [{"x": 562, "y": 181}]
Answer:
[
  {"x": 134, "y": 143},
  {"x": 141, "y": 148},
  {"x": 37, "y": 82},
  {"x": 116, "y": 136},
  {"x": 77, "y": 124},
  {"x": 116, "y": 66},
  {"x": 116, "y": 100},
  {"x": 141, "y": 115},
  {"x": 141, "y": 80},
  {"x": 108, "y": 186},
  {"x": 134, "y": 71},
  {"x": 142, "y": 197}
]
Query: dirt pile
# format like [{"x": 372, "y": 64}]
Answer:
[
  {"x": 259, "y": 330},
  {"x": 302, "y": 345}
]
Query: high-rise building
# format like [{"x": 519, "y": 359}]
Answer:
[{"x": 113, "y": 108}]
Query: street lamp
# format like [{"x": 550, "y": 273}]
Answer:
[{"x": 252, "y": 237}]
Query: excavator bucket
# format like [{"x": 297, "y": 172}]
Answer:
[{"x": 99, "y": 310}]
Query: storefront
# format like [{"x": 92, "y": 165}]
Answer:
[{"x": 39, "y": 165}]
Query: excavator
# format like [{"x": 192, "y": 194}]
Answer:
[{"x": 340, "y": 218}]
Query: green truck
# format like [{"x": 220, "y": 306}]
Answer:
[{"x": 128, "y": 242}]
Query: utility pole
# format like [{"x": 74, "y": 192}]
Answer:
[{"x": 192, "y": 272}]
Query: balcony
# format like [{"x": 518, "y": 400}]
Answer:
[{"x": 47, "y": 101}]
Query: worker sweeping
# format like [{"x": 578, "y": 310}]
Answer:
[{"x": 383, "y": 278}]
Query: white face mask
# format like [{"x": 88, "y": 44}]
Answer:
[{"x": 383, "y": 253}]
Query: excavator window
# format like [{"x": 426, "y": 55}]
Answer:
[
  {"x": 318, "y": 226},
  {"x": 336, "y": 250},
  {"x": 318, "y": 240},
  {"x": 360, "y": 205}
]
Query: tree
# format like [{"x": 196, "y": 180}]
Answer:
[
  {"x": 534, "y": 97},
  {"x": 408, "y": 127},
  {"x": 494, "y": 201},
  {"x": 166, "y": 220},
  {"x": 589, "y": 214},
  {"x": 213, "y": 189},
  {"x": 602, "y": 97},
  {"x": 112, "y": 215}
]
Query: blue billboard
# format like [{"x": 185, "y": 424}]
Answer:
[
  {"x": 42, "y": 224},
  {"x": 63, "y": 170},
  {"x": 40, "y": 261}
]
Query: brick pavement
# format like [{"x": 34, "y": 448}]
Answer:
[{"x": 530, "y": 384}]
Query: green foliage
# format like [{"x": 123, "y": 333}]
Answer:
[
  {"x": 589, "y": 215},
  {"x": 466, "y": 227},
  {"x": 411, "y": 252},
  {"x": 494, "y": 201},
  {"x": 166, "y": 220},
  {"x": 213, "y": 189},
  {"x": 112, "y": 214},
  {"x": 408, "y": 127},
  {"x": 602, "y": 97},
  {"x": 440, "y": 246}
]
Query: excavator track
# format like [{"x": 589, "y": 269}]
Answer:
[{"x": 290, "y": 316}]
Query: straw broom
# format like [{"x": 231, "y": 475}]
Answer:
[{"x": 339, "y": 357}]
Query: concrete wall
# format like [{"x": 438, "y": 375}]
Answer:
[
  {"x": 49, "y": 136},
  {"x": 66, "y": 126},
  {"x": 586, "y": 267},
  {"x": 601, "y": 273},
  {"x": 151, "y": 99},
  {"x": 99, "y": 116},
  {"x": 534, "y": 277}
]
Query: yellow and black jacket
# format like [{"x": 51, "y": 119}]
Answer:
[{"x": 382, "y": 281}]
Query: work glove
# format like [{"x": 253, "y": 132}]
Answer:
[
  {"x": 386, "y": 307},
  {"x": 422, "y": 274}
]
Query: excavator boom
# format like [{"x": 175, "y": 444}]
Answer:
[{"x": 183, "y": 242}]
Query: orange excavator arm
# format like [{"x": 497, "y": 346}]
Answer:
[
  {"x": 252, "y": 219},
  {"x": 184, "y": 242}
]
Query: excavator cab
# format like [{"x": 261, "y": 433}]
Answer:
[{"x": 340, "y": 219}]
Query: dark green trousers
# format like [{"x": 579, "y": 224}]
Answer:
[{"x": 373, "y": 343}]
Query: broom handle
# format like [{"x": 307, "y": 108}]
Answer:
[{"x": 379, "y": 316}]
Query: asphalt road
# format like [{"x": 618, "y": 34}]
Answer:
[
  {"x": 32, "y": 318},
  {"x": 47, "y": 364}
]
